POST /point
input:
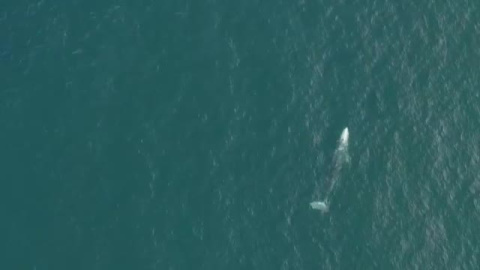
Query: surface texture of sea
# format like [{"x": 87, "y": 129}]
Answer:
[{"x": 194, "y": 134}]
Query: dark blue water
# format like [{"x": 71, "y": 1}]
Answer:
[{"x": 194, "y": 135}]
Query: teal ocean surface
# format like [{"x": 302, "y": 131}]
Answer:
[{"x": 195, "y": 134}]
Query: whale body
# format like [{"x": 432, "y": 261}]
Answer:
[{"x": 341, "y": 156}]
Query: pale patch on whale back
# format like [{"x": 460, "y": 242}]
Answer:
[{"x": 319, "y": 205}]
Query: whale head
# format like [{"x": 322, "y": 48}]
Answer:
[{"x": 344, "y": 137}]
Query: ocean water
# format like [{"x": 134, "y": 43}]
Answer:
[{"x": 194, "y": 134}]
